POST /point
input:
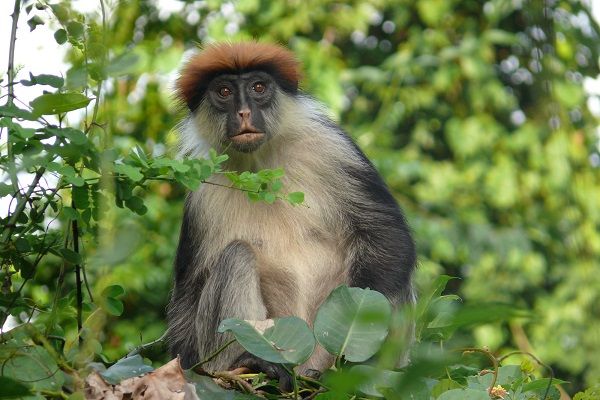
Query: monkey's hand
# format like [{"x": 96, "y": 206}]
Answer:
[{"x": 271, "y": 370}]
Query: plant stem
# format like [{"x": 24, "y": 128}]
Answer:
[
  {"x": 11, "y": 52},
  {"x": 537, "y": 360},
  {"x": 216, "y": 353},
  {"x": 139, "y": 349},
  {"x": 21, "y": 203},
  {"x": 492, "y": 358},
  {"x": 11, "y": 94},
  {"x": 78, "y": 282}
]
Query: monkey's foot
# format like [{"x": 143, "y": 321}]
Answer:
[
  {"x": 271, "y": 370},
  {"x": 312, "y": 373}
]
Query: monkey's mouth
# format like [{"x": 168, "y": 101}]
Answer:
[{"x": 247, "y": 137}]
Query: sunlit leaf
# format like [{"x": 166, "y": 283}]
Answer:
[{"x": 56, "y": 103}]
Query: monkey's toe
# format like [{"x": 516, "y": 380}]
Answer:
[
  {"x": 271, "y": 370},
  {"x": 312, "y": 373}
]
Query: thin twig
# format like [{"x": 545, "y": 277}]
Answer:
[
  {"x": 11, "y": 94},
  {"x": 493, "y": 359},
  {"x": 139, "y": 349},
  {"x": 11, "y": 52},
  {"x": 212, "y": 356},
  {"x": 59, "y": 284},
  {"x": 87, "y": 285},
  {"x": 315, "y": 393},
  {"x": 227, "y": 375},
  {"x": 78, "y": 282},
  {"x": 10, "y": 226}
]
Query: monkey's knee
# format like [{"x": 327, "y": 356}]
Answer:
[{"x": 237, "y": 283}]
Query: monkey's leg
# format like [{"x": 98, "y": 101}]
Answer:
[{"x": 233, "y": 291}]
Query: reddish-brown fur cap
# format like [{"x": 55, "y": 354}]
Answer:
[{"x": 236, "y": 58}]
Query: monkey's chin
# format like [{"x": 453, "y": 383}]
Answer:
[{"x": 247, "y": 142}]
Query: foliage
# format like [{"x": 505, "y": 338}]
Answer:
[
  {"x": 290, "y": 342},
  {"x": 474, "y": 112}
]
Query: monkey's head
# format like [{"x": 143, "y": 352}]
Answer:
[{"x": 233, "y": 91}]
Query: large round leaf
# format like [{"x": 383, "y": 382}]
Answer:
[
  {"x": 353, "y": 322},
  {"x": 288, "y": 341}
]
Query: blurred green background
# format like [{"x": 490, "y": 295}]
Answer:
[{"x": 475, "y": 113}]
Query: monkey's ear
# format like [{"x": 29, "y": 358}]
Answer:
[{"x": 235, "y": 58}]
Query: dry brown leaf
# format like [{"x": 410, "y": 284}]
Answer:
[{"x": 165, "y": 383}]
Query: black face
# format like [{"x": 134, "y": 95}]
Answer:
[{"x": 243, "y": 99}]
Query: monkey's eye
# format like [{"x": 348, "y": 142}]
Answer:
[
  {"x": 224, "y": 92},
  {"x": 259, "y": 87}
]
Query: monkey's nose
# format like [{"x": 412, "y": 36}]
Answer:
[{"x": 244, "y": 113}]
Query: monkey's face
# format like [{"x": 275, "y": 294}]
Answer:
[{"x": 244, "y": 101}]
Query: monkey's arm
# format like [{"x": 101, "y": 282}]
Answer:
[
  {"x": 382, "y": 251},
  {"x": 185, "y": 298}
]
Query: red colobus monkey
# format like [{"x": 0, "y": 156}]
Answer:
[{"x": 256, "y": 261}]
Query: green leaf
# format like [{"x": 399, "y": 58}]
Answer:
[
  {"x": 70, "y": 256},
  {"x": 507, "y": 375},
  {"x": 12, "y": 388},
  {"x": 60, "y": 36},
  {"x": 77, "y": 78},
  {"x": 295, "y": 197},
  {"x": 113, "y": 306},
  {"x": 206, "y": 388},
  {"x": 14, "y": 111},
  {"x": 126, "y": 368},
  {"x": 269, "y": 198},
  {"x": 75, "y": 180},
  {"x": 44, "y": 79},
  {"x": 277, "y": 185},
  {"x": 81, "y": 197},
  {"x": 56, "y": 103},
  {"x": 542, "y": 384},
  {"x": 113, "y": 291},
  {"x": 70, "y": 213},
  {"x": 464, "y": 394},
  {"x": 136, "y": 204},
  {"x": 75, "y": 136},
  {"x": 288, "y": 341},
  {"x": 31, "y": 364},
  {"x": 60, "y": 11},
  {"x": 353, "y": 322},
  {"x": 34, "y": 21},
  {"x": 22, "y": 245},
  {"x": 131, "y": 172},
  {"x": 122, "y": 64},
  {"x": 188, "y": 180},
  {"x": 75, "y": 29},
  {"x": 443, "y": 386},
  {"x": 376, "y": 379},
  {"x": 17, "y": 129},
  {"x": 6, "y": 189}
]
